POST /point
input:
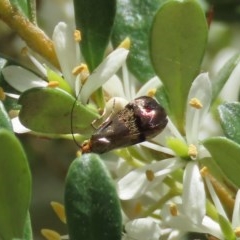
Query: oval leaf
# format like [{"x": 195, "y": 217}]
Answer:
[
  {"x": 226, "y": 154},
  {"x": 49, "y": 110},
  {"x": 136, "y": 24},
  {"x": 15, "y": 187},
  {"x": 177, "y": 44},
  {"x": 229, "y": 115},
  {"x": 95, "y": 20},
  {"x": 91, "y": 202},
  {"x": 222, "y": 76}
]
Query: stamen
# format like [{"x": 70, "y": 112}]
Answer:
[
  {"x": 137, "y": 208},
  {"x": 83, "y": 70},
  {"x": 151, "y": 92},
  {"x": 2, "y": 94},
  {"x": 77, "y": 36},
  {"x": 59, "y": 210},
  {"x": 50, "y": 234},
  {"x": 196, "y": 103},
  {"x": 150, "y": 175},
  {"x": 237, "y": 232},
  {"x": 24, "y": 51},
  {"x": 125, "y": 43},
  {"x": 53, "y": 84},
  {"x": 79, "y": 153},
  {"x": 204, "y": 172},
  {"x": 173, "y": 209},
  {"x": 192, "y": 151}
]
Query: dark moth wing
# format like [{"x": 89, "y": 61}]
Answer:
[{"x": 141, "y": 119}]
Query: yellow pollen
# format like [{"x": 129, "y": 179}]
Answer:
[
  {"x": 194, "y": 102},
  {"x": 137, "y": 208},
  {"x": 79, "y": 153},
  {"x": 13, "y": 113},
  {"x": 237, "y": 232},
  {"x": 2, "y": 94},
  {"x": 24, "y": 51},
  {"x": 77, "y": 36},
  {"x": 192, "y": 151},
  {"x": 53, "y": 84},
  {"x": 82, "y": 68},
  {"x": 151, "y": 92},
  {"x": 125, "y": 43},
  {"x": 50, "y": 234},
  {"x": 204, "y": 172},
  {"x": 150, "y": 175},
  {"x": 173, "y": 210},
  {"x": 59, "y": 210}
]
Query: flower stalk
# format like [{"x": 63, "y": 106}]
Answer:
[{"x": 34, "y": 37}]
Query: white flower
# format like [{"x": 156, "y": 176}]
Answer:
[
  {"x": 235, "y": 221},
  {"x": 142, "y": 229},
  {"x": 190, "y": 215},
  {"x": 136, "y": 182},
  {"x": 68, "y": 53}
]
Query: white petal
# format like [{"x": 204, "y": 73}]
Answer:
[
  {"x": 18, "y": 127},
  {"x": 202, "y": 90},
  {"x": 22, "y": 79},
  {"x": 216, "y": 201},
  {"x": 143, "y": 229},
  {"x": 135, "y": 183},
  {"x": 153, "y": 83},
  {"x": 236, "y": 211},
  {"x": 114, "y": 87},
  {"x": 67, "y": 50},
  {"x": 194, "y": 197},
  {"x": 103, "y": 72},
  {"x": 114, "y": 105},
  {"x": 211, "y": 227}
]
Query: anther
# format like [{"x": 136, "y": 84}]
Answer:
[
  {"x": 192, "y": 151},
  {"x": 125, "y": 43},
  {"x": 150, "y": 175},
  {"x": 77, "y": 36},
  {"x": 83, "y": 70},
  {"x": 2, "y": 94},
  {"x": 50, "y": 234},
  {"x": 173, "y": 209},
  {"x": 204, "y": 172},
  {"x": 237, "y": 232},
  {"x": 137, "y": 208},
  {"x": 59, "y": 210},
  {"x": 53, "y": 84},
  {"x": 196, "y": 103},
  {"x": 151, "y": 92},
  {"x": 80, "y": 68}
]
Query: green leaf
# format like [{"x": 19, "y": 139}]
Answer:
[
  {"x": 95, "y": 20},
  {"x": 226, "y": 228},
  {"x": 226, "y": 154},
  {"x": 177, "y": 44},
  {"x": 91, "y": 202},
  {"x": 5, "y": 121},
  {"x": 15, "y": 187},
  {"x": 134, "y": 20},
  {"x": 229, "y": 115},
  {"x": 49, "y": 110},
  {"x": 221, "y": 78}
]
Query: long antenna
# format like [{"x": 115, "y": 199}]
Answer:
[{"x": 71, "y": 122}]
